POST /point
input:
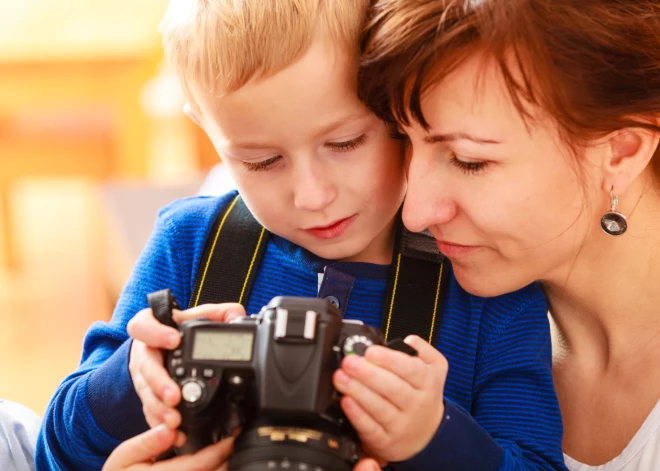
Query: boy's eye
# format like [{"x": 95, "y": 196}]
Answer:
[
  {"x": 347, "y": 146},
  {"x": 263, "y": 165}
]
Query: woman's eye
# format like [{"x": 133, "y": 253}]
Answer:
[
  {"x": 347, "y": 146},
  {"x": 470, "y": 168},
  {"x": 263, "y": 165}
]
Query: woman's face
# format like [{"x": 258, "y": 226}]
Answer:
[{"x": 507, "y": 203}]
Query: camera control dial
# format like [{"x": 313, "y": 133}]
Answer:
[
  {"x": 192, "y": 391},
  {"x": 357, "y": 344}
]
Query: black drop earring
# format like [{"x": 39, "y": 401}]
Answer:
[{"x": 613, "y": 222}]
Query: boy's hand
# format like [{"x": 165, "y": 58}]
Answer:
[
  {"x": 393, "y": 400},
  {"x": 157, "y": 390}
]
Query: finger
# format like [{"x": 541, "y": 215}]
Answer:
[
  {"x": 208, "y": 459},
  {"x": 367, "y": 464},
  {"x": 411, "y": 369},
  {"x": 380, "y": 380},
  {"x": 367, "y": 453},
  {"x": 158, "y": 379},
  {"x": 369, "y": 430},
  {"x": 140, "y": 449},
  {"x": 146, "y": 328},
  {"x": 216, "y": 312},
  {"x": 152, "y": 413},
  {"x": 156, "y": 412},
  {"x": 385, "y": 412},
  {"x": 425, "y": 351}
]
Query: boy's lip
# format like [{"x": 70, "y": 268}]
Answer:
[{"x": 334, "y": 229}]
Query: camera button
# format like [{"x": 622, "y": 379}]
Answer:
[
  {"x": 207, "y": 373},
  {"x": 191, "y": 391},
  {"x": 333, "y": 300},
  {"x": 180, "y": 371},
  {"x": 178, "y": 353}
]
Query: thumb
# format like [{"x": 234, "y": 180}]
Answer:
[
  {"x": 141, "y": 449},
  {"x": 216, "y": 312},
  {"x": 367, "y": 464}
]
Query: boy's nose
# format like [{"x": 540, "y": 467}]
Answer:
[{"x": 312, "y": 193}]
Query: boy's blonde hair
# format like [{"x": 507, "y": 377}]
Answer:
[{"x": 220, "y": 45}]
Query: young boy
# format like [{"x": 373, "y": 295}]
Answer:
[{"x": 273, "y": 83}]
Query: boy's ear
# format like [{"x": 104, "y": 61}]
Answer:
[
  {"x": 188, "y": 111},
  {"x": 629, "y": 152}
]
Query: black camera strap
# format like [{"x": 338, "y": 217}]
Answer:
[
  {"x": 416, "y": 288},
  {"x": 231, "y": 257}
]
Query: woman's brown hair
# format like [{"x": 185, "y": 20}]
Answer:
[{"x": 594, "y": 65}]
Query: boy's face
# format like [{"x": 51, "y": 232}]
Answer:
[{"x": 312, "y": 164}]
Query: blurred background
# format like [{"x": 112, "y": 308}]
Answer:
[{"x": 92, "y": 143}]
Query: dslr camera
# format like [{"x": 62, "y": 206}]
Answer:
[{"x": 271, "y": 375}]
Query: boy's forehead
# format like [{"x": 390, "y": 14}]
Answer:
[{"x": 316, "y": 94}]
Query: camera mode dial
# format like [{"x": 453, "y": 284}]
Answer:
[{"x": 357, "y": 344}]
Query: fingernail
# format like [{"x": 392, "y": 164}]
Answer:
[
  {"x": 171, "y": 419},
  {"x": 180, "y": 439},
  {"x": 173, "y": 340},
  {"x": 161, "y": 430},
  {"x": 169, "y": 396},
  {"x": 342, "y": 378}
]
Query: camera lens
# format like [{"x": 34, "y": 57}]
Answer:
[{"x": 292, "y": 448}]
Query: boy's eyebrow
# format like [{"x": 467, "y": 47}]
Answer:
[
  {"x": 322, "y": 131},
  {"x": 252, "y": 145},
  {"x": 457, "y": 136},
  {"x": 340, "y": 122}
]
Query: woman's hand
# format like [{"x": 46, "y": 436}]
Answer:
[{"x": 138, "y": 454}]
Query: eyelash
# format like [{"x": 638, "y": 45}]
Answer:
[
  {"x": 346, "y": 146},
  {"x": 263, "y": 165},
  {"x": 469, "y": 168}
]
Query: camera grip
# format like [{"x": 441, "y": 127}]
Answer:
[{"x": 197, "y": 438}]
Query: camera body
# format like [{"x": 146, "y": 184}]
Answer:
[{"x": 271, "y": 375}]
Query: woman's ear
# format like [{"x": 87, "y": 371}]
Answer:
[
  {"x": 190, "y": 112},
  {"x": 627, "y": 154}
]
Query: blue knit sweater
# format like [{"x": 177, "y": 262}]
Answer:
[{"x": 501, "y": 408}]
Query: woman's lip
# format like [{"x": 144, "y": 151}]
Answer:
[
  {"x": 455, "y": 250},
  {"x": 334, "y": 229}
]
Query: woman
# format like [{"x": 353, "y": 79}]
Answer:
[
  {"x": 534, "y": 128},
  {"x": 534, "y": 132}
]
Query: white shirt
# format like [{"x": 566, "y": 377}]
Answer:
[
  {"x": 641, "y": 454},
  {"x": 19, "y": 427}
]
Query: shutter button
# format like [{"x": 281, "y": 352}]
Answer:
[{"x": 334, "y": 301}]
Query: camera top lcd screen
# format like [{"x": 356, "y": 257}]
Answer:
[{"x": 223, "y": 345}]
